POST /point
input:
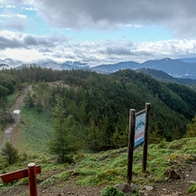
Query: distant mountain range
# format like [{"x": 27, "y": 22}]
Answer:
[{"x": 177, "y": 68}]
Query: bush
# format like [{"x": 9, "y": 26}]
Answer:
[
  {"x": 192, "y": 189},
  {"x": 10, "y": 153},
  {"x": 112, "y": 191}
]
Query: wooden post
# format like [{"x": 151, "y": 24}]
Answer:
[
  {"x": 131, "y": 144},
  {"x": 30, "y": 172},
  {"x": 145, "y": 146},
  {"x": 32, "y": 179}
]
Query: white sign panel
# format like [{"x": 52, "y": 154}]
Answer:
[
  {"x": 140, "y": 128},
  {"x": 16, "y": 111}
]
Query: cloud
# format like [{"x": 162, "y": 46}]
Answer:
[
  {"x": 177, "y": 15},
  {"x": 29, "y": 9},
  {"x": 30, "y": 40},
  {"x": 31, "y": 48},
  {"x": 14, "y": 24},
  {"x": 13, "y": 16},
  {"x": 10, "y": 39},
  {"x": 10, "y": 61}
]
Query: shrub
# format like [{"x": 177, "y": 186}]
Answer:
[
  {"x": 192, "y": 189},
  {"x": 112, "y": 191}
]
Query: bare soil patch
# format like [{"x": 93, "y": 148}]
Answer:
[{"x": 58, "y": 189}]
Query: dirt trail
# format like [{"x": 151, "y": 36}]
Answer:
[{"x": 16, "y": 116}]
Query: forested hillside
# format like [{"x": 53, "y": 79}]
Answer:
[{"x": 96, "y": 107}]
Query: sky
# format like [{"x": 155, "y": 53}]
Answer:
[{"x": 96, "y": 31}]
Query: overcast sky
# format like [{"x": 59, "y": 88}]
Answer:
[{"x": 96, "y": 31}]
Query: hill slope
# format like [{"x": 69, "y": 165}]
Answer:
[
  {"x": 164, "y": 77},
  {"x": 93, "y": 172},
  {"x": 102, "y": 102}
]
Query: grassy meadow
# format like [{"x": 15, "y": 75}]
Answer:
[{"x": 36, "y": 130}]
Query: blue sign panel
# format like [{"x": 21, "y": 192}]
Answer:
[{"x": 140, "y": 128}]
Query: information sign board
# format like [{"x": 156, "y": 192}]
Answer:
[
  {"x": 138, "y": 134},
  {"x": 140, "y": 128}
]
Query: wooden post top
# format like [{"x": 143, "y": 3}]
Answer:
[{"x": 31, "y": 165}]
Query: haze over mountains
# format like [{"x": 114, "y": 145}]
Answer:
[{"x": 178, "y": 68}]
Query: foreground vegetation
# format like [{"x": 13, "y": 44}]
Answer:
[{"x": 108, "y": 167}]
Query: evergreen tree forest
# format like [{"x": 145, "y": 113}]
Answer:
[{"x": 95, "y": 106}]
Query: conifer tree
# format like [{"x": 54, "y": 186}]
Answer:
[
  {"x": 29, "y": 102},
  {"x": 63, "y": 144},
  {"x": 191, "y": 128},
  {"x": 10, "y": 153}
]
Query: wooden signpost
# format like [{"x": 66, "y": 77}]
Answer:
[
  {"x": 30, "y": 172},
  {"x": 138, "y": 134}
]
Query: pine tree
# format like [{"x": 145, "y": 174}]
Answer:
[
  {"x": 95, "y": 138},
  {"x": 10, "y": 153},
  {"x": 191, "y": 128},
  {"x": 29, "y": 102},
  {"x": 156, "y": 136},
  {"x": 176, "y": 134},
  {"x": 63, "y": 144}
]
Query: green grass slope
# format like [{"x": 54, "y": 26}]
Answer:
[
  {"x": 110, "y": 167},
  {"x": 36, "y": 130}
]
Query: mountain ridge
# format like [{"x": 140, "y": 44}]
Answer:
[
  {"x": 164, "y": 77},
  {"x": 178, "y": 68}
]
